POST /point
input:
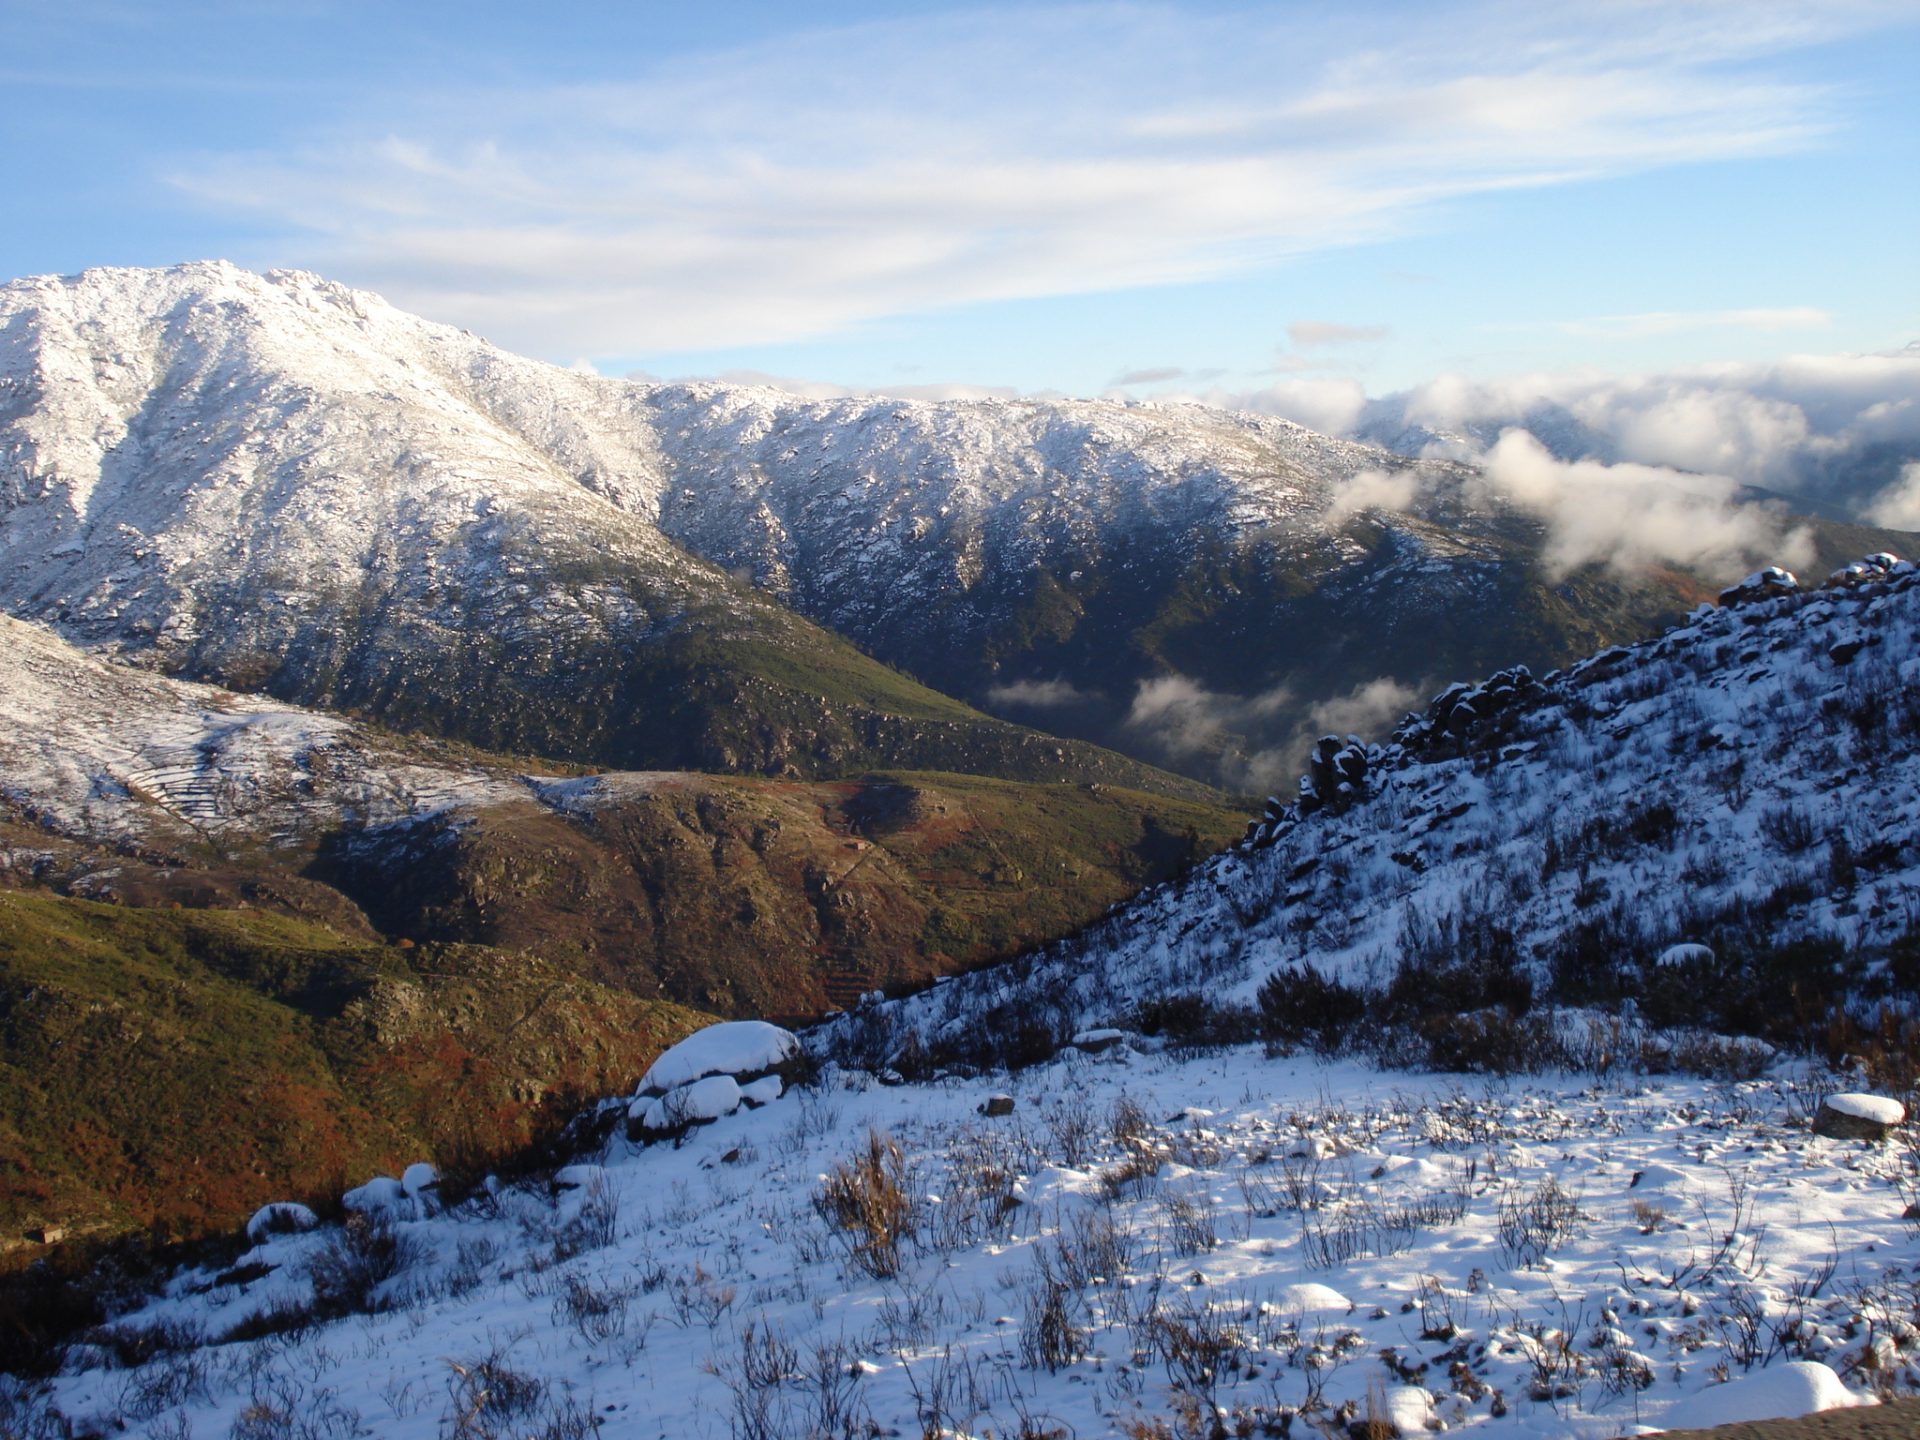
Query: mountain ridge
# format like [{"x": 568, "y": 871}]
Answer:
[{"x": 203, "y": 465}]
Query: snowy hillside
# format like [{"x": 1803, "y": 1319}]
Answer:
[
  {"x": 103, "y": 752},
  {"x": 1134, "y": 1245},
  {"x": 1745, "y": 783}
]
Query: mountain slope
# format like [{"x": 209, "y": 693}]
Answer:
[
  {"x": 1741, "y": 784},
  {"x": 735, "y": 894},
  {"x": 286, "y": 486},
  {"x": 367, "y": 948},
  {"x": 173, "y": 1069}
]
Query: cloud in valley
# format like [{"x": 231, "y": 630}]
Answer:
[
  {"x": 1632, "y": 516},
  {"x": 802, "y": 186},
  {"x": 1039, "y": 694},
  {"x": 1832, "y": 428},
  {"x": 1187, "y": 720},
  {"x": 1898, "y": 506}
]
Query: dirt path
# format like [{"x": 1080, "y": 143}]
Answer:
[{"x": 1899, "y": 1421}]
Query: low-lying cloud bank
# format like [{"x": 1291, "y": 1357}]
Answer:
[
  {"x": 1654, "y": 469},
  {"x": 1823, "y": 426}
]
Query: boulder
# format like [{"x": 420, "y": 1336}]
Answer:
[
  {"x": 744, "y": 1049},
  {"x": 1857, "y": 1117},
  {"x": 1684, "y": 954},
  {"x": 764, "y": 1091},
  {"x": 280, "y": 1217},
  {"x": 997, "y": 1105},
  {"x": 698, "y": 1103},
  {"x": 1761, "y": 585},
  {"x": 1398, "y": 1413},
  {"x": 381, "y": 1198}
]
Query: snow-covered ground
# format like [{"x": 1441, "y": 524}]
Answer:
[{"x": 1143, "y": 1238}]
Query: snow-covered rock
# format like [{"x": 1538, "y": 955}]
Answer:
[
  {"x": 381, "y": 1197},
  {"x": 578, "y": 1177},
  {"x": 1309, "y": 1297},
  {"x": 1781, "y": 1392},
  {"x": 280, "y": 1217},
  {"x": 1408, "y": 1411},
  {"x": 1858, "y": 1117},
  {"x": 764, "y": 1091},
  {"x": 695, "y": 1103},
  {"x": 742, "y": 1049},
  {"x": 1685, "y": 953}
]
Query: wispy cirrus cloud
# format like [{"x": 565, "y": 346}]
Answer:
[
  {"x": 798, "y": 188},
  {"x": 1309, "y": 334},
  {"x": 1675, "y": 322}
]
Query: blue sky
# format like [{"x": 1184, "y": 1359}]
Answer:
[{"x": 1194, "y": 198}]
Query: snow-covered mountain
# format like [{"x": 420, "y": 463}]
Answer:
[
  {"x": 281, "y": 484},
  {"x": 276, "y": 482},
  {"x": 1716, "y": 827}
]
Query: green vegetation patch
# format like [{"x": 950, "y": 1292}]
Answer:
[{"x": 173, "y": 1069}]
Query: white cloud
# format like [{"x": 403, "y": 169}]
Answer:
[
  {"x": 1898, "y": 506},
  {"x": 1307, "y": 334},
  {"x": 1832, "y": 427},
  {"x": 1331, "y": 406},
  {"x": 1039, "y": 694},
  {"x": 1373, "y": 490},
  {"x": 1634, "y": 516},
  {"x": 1369, "y": 710},
  {"x": 1187, "y": 719},
  {"x": 805, "y": 186}
]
